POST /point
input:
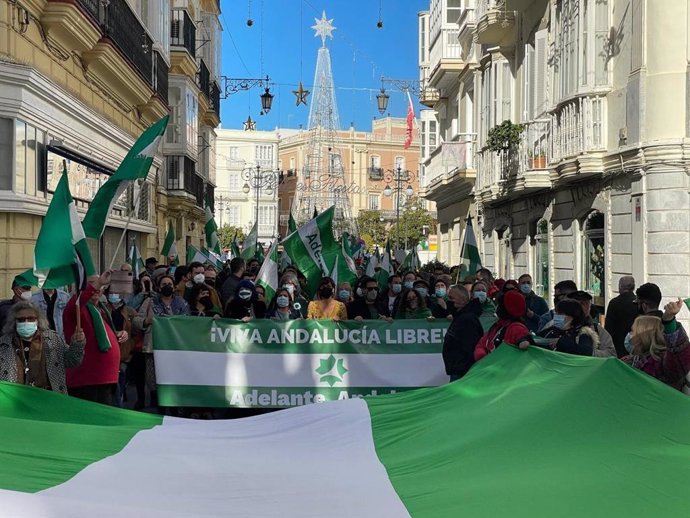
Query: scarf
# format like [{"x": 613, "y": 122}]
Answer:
[{"x": 99, "y": 328}]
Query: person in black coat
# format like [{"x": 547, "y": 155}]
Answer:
[
  {"x": 621, "y": 313},
  {"x": 245, "y": 305},
  {"x": 366, "y": 307},
  {"x": 463, "y": 333}
]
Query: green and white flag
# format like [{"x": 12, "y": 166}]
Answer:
[
  {"x": 285, "y": 260},
  {"x": 292, "y": 224},
  {"x": 194, "y": 255},
  {"x": 312, "y": 248},
  {"x": 235, "y": 246},
  {"x": 135, "y": 261},
  {"x": 393, "y": 456},
  {"x": 470, "y": 252},
  {"x": 61, "y": 253},
  {"x": 411, "y": 262},
  {"x": 135, "y": 166},
  {"x": 250, "y": 243},
  {"x": 211, "y": 231},
  {"x": 212, "y": 258},
  {"x": 344, "y": 269},
  {"x": 372, "y": 264},
  {"x": 170, "y": 245},
  {"x": 268, "y": 273}
]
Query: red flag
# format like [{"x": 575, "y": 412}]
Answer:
[{"x": 410, "y": 119}]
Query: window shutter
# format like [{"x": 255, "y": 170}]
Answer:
[
  {"x": 506, "y": 91},
  {"x": 528, "y": 81},
  {"x": 539, "y": 84}
]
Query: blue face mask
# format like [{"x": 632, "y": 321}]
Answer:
[
  {"x": 628, "y": 343},
  {"x": 397, "y": 287},
  {"x": 525, "y": 288},
  {"x": 27, "y": 329},
  {"x": 344, "y": 294},
  {"x": 408, "y": 285},
  {"x": 440, "y": 292},
  {"x": 480, "y": 296},
  {"x": 558, "y": 321},
  {"x": 423, "y": 292},
  {"x": 114, "y": 298},
  {"x": 282, "y": 301}
]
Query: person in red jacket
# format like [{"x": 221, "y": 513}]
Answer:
[
  {"x": 510, "y": 309},
  {"x": 96, "y": 378}
]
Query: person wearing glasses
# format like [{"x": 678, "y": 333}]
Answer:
[
  {"x": 366, "y": 307},
  {"x": 33, "y": 354},
  {"x": 413, "y": 306}
]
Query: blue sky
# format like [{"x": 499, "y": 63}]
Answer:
[{"x": 360, "y": 53}]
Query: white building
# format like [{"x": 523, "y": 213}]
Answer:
[
  {"x": 240, "y": 185},
  {"x": 597, "y": 186}
]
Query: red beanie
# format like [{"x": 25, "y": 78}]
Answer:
[{"x": 514, "y": 303}]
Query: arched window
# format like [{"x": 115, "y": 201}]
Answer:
[
  {"x": 541, "y": 258},
  {"x": 594, "y": 258}
]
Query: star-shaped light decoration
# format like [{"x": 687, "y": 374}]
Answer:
[
  {"x": 249, "y": 124},
  {"x": 324, "y": 28},
  {"x": 301, "y": 95}
]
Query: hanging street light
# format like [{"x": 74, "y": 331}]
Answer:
[
  {"x": 266, "y": 100},
  {"x": 382, "y": 101}
]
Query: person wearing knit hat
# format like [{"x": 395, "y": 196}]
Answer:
[{"x": 510, "y": 308}]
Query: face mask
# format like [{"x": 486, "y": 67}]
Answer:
[
  {"x": 423, "y": 292},
  {"x": 559, "y": 321},
  {"x": 27, "y": 329},
  {"x": 290, "y": 288},
  {"x": 440, "y": 292},
  {"x": 245, "y": 294},
  {"x": 627, "y": 343},
  {"x": 408, "y": 285},
  {"x": 397, "y": 288},
  {"x": 206, "y": 301},
  {"x": 283, "y": 301},
  {"x": 480, "y": 296},
  {"x": 326, "y": 292},
  {"x": 199, "y": 278},
  {"x": 26, "y": 295},
  {"x": 211, "y": 282},
  {"x": 412, "y": 304},
  {"x": 344, "y": 294},
  {"x": 371, "y": 295},
  {"x": 525, "y": 288},
  {"x": 114, "y": 298},
  {"x": 167, "y": 291}
]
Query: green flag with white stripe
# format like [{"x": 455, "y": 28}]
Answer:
[
  {"x": 170, "y": 245},
  {"x": 211, "y": 231},
  {"x": 250, "y": 243},
  {"x": 470, "y": 252},
  {"x": 268, "y": 273},
  {"x": 135, "y": 261}
]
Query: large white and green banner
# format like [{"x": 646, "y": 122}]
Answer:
[{"x": 269, "y": 364}]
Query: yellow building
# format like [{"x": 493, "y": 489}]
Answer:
[{"x": 79, "y": 81}]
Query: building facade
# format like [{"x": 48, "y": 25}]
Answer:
[
  {"x": 79, "y": 82},
  {"x": 242, "y": 190},
  {"x": 596, "y": 186},
  {"x": 370, "y": 161}
]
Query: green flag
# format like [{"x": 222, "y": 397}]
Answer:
[
  {"x": 250, "y": 242},
  {"x": 135, "y": 166},
  {"x": 61, "y": 252},
  {"x": 211, "y": 230},
  {"x": 470, "y": 253},
  {"x": 268, "y": 274},
  {"x": 235, "y": 246},
  {"x": 344, "y": 269},
  {"x": 170, "y": 244},
  {"x": 135, "y": 261},
  {"x": 312, "y": 248},
  {"x": 292, "y": 225},
  {"x": 411, "y": 262}
]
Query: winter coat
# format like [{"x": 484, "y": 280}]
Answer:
[
  {"x": 58, "y": 357},
  {"x": 508, "y": 331},
  {"x": 620, "y": 316},
  {"x": 462, "y": 337},
  {"x": 582, "y": 341},
  {"x": 359, "y": 308},
  {"x": 538, "y": 306}
]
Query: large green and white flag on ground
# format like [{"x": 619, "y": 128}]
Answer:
[
  {"x": 211, "y": 231},
  {"x": 312, "y": 248},
  {"x": 170, "y": 245},
  {"x": 250, "y": 243},
  {"x": 535, "y": 424},
  {"x": 61, "y": 252},
  {"x": 470, "y": 252},
  {"x": 268, "y": 273},
  {"x": 135, "y": 261},
  {"x": 135, "y": 166}
]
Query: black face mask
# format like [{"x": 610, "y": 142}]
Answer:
[
  {"x": 326, "y": 292},
  {"x": 211, "y": 282},
  {"x": 167, "y": 291},
  {"x": 206, "y": 301}
]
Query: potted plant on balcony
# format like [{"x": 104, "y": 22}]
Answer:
[
  {"x": 504, "y": 137},
  {"x": 536, "y": 159}
]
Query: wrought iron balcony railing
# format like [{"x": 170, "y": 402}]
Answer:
[{"x": 183, "y": 31}]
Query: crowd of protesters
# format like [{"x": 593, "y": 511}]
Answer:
[{"x": 98, "y": 344}]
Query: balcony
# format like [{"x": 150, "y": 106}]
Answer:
[
  {"x": 429, "y": 96},
  {"x": 203, "y": 79},
  {"x": 445, "y": 60},
  {"x": 183, "y": 181},
  {"x": 451, "y": 170},
  {"x": 375, "y": 173},
  {"x": 182, "y": 43},
  {"x": 161, "y": 78},
  {"x": 496, "y": 25},
  {"x": 578, "y": 136}
]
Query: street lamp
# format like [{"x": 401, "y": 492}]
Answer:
[
  {"x": 382, "y": 101},
  {"x": 255, "y": 178},
  {"x": 388, "y": 191}
]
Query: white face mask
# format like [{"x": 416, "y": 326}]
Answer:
[
  {"x": 26, "y": 295},
  {"x": 199, "y": 278}
]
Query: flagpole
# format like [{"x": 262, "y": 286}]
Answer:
[
  {"x": 124, "y": 231},
  {"x": 462, "y": 250}
]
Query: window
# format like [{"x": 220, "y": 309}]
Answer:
[
  {"x": 267, "y": 220},
  {"x": 422, "y": 38},
  {"x": 453, "y": 11},
  {"x": 432, "y": 135},
  {"x": 594, "y": 258},
  {"x": 175, "y": 121},
  {"x": 233, "y": 215},
  {"x": 234, "y": 182},
  {"x": 497, "y": 94},
  {"x": 29, "y": 166},
  {"x": 568, "y": 36},
  {"x": 192, "y": 122},
  {"x": 541, "y": 258},
  {"x": 375, "y": 161},
  {"x": 373, "y": 202},
  {"x": 335, "y": 165},
  {"x": 601, "y": 35},
  {"x": 263, "y": 155},
  {"x": 292, "y": 164}
]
